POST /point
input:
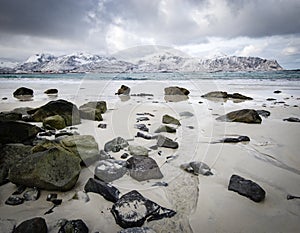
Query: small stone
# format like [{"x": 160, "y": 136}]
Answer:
[
  {"x": 123, "y": 90},
  {"x": 142, "y": 127},
  {"x": 32, "y": 194},
  {"x": 263, "y": 113},
  {"x": 292, "y": 119},
  {"x": 125, "y": 156},
  {"x": 14, "y": 200},
  {"x": 109, "y": 170},
  {"x": 186, "y": 114},
  {"x": 138, "y": 119},
  {"x": 143, "y": 135},
  {"x": 51, "y": 197},
  {"x": 163, "y": 141},
  {"x": 234, "y": 140},
  {"x": 102, "y": 126},
  {"x": 270, "y": 99},
  {"x": 4, "y": 98},
  {"x": 197, "y": 168},
  {"x": 170, "y": 120},
  {"x": 277, "y": 92},
  {"x": 51, "y": 91},
  {"x": 165, "y": 128},
  {"x": 116, "y": 145}
]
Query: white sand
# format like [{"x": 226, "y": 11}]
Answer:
[{"x": 203, "y": 204}]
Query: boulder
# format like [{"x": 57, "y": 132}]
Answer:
[
  {"x": 138, "y": 150},
  {"x": 74, "y": 226},
  {"x": 197, "y": 168},
  {"x": 165, "y": 128},
  {"x": 90, "y": 114},
  {"x": 108, "y": 191},
  {"x": 110, "y": 169},
  {"x": 54, "y": 122},
  {"x": 13, "y": 153},
  {"x": 100, "y": 105},
  {"x": 23, "y": 91},
  {"x": 143, "y": 168},
  {"x": 116, "y": 145},
  {"x": 163, "y": 141},
  {"x": 37, "y": 224},
  {"x": 216, "y": 94},
  {"x": 17, "y": 132},
  {"x": 51, "y": 91},
  {"x": 167, "y": 119},
  {"x": 84, "y": 147},
  {"x": 132, "y": 210},
  {"x": 239, "y": 96},
  {"x": 10, "y": 116},
  {"x": 246, "y": 188},
  {"x": 234, "y": 140},
  {"x": 175, "y": 90},
  {"x": 63, "y": 108},
  {"x": 123, "y": 90},
  {"x": 292, "y": 119},
  {"x": 53, "y": 169},
  {"x": 137, "y": 230},
  {"x": 244, "y": 116}
]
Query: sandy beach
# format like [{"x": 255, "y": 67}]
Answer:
[{"x": 202, "y": 203}]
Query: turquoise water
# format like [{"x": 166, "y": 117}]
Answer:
[{"x": 285, "y": 75}]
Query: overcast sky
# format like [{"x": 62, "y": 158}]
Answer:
[{"x": 264, "y": 28}]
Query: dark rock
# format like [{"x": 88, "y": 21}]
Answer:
[
  {"x": 292, "y": 119},
  {"x": 12, "y": 153},
  {"x": 3, "y": 174},
  {"x": 17, "y": 132},
  {"x": 165, "y": 128},
  {"x": 238, "y": 139},
  {"x": 10, "y": 116},
  {"x": 138, "y": 119},
  {"x": 170, "y": 120},
  {"x": 263, "y": 113},
  {"x": 23, "y": 91},
  {"x": 143, "y": 168},
  {"x": 277, "y": 92},
  {"x": 176, "y": 91},
  {"x": 161, "y": 183},
  {"x": 132, "y": 210},
  {"x": 116, "y": 145},
  {"x": 65, "y": 109},
  {"x": 32, "y": 194},
  {"x": 197, "y": 168},
  {"x": 21, "y": 110},
  {"x": 104, "y": 155},
  {"x": 34, "y": 225},
  {"x": 142, "y": 127},
  {"x": 90, "y": 114},
  {"x": 102, "y": 126},
  {"x": 143, "y": 135},
  {"x": 142, "y": 94},
  {"x": 4, "y": 98},
  {"x": 74, "y": 226},
  {"x": 163, "y": 141},
  {"x": 100, "y": 105},
  {"x": 57, "y": 202},
  {"x": 14, "y": 200},
  {"x": 51, "y": 91},
  {"x": 137, "y": 230},
  {"x": 216, "y": 94},
  {"x": 54, "y": 122},
  {"x": 53, "y": 169},
  {"x": 84, "y": 147},
  {"x": 110, "y": 169},
  {"x": 108, "y": 191},
  {"x": 239, "y": 96},
  {"x": 244, "y": 115},
  {"x": 290, "y": 197},
  {"x": 123, "y": 90},
  {"x": 51, "y": 197},
  {"x": 246, "y": 188},
  {"x": 270, "y": 99},
  {"x": 20, "y": 190},
  {"x": 138, "y": 150}
]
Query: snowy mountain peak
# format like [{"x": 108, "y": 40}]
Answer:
[{"x": 39, "y": 58}]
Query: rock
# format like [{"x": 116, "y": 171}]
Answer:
[
  {"x": 125, "y": 156},
  {"x": 10, "y": 116},
  {"x": 123, "y": 90},
  {"x": 138, "y": 119},
  {"x": 277, "y": 92},
  {"x": 132, "y": 210},
  {"x": 263, "y": 113},
  {"x": 14, "y": 200},
  {"x": 186, "y": 114},
  {"x": 54, "y": 122},
  {"x": 7, "y": 225},
  {"x": 246, "y": 188},
  {"x": 74, "y": 226},
  {"x": 215, "y": 94},
  {"x": 165, "y": 128},
  {"x": 116, "y": 145},
  {"x": 17, "y": 132},
  {"x": 84, "y": 147},
  {"x": 37, "y": 224},
  {"x": 144, "y": 135},
  {"x": 32, "y": 194},
  {"x": 137, "y": 230},
  {"x": 53, "y": 169},
  {"x": 142, "y": 127},
  {"x": 238, "y": 139},
  {"x": 244, "y": 115},
  {"x": 197, "y": 168},
  {"x": 104, "y": 155},
  {"x": 108, "y": 191},
  {"x": 90, "y": 114},
  {"x": 161, "y": 184},
  {"x": 270, "y": 99},
  {"x": 291, "y": 197},
  {"x": 102, "y": 126},
  {"x": 51, "y": 91},
  {"x": 170, "y": 120},
  {"x": 12, "y": 153},
  {"x": 3, "y": 173},
  {"x": 110, "y": 169},
  {"x": 138, "y": 150},
  {"x": 292, "y": 119},
  {"x": 100, "y": 105},
  {"x": 239, "y": 96},
  {"x": 23, "y": 91},
  {"x": 65, "y": 109},
  {"x": 163, "y": 141},
  {"x": 176, "y": 91},
  {"x": 143, "y": 168}
]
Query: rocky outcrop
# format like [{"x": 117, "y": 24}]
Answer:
[
  {"x": 167, "y": 119},
  {"x": 53, "y": 169},
  {"x": 17, "y": 132},
  {"x": 175, "y": 90},
  {"x": 63, "y": 108},
  {"x": 132, "y": 210},
  {"x": 110, "y": 169},
  {"x": 116, "y": 145},
  {"x": 54, "y": 122},
  {"x": 37, "y": 224},
  {"x": 123, "y": 90},
  {"x": 143, "y": 168},
  {"x": 246, "y": 188},
  {"x": 244, "y": 116}
]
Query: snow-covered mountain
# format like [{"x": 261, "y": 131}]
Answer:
[{"x": 160, "y": 62}]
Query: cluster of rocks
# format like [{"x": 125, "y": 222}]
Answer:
[
  {"x": 24, "y": 93},
  {"x": 225, "y": 95}
]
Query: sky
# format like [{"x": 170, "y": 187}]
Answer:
[{"x": 201, "y": 28}]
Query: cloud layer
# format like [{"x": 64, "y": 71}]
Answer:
[{"x": 240, "y": 27}]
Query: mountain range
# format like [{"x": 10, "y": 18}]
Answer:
[{"x": 159, "y": 62}]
